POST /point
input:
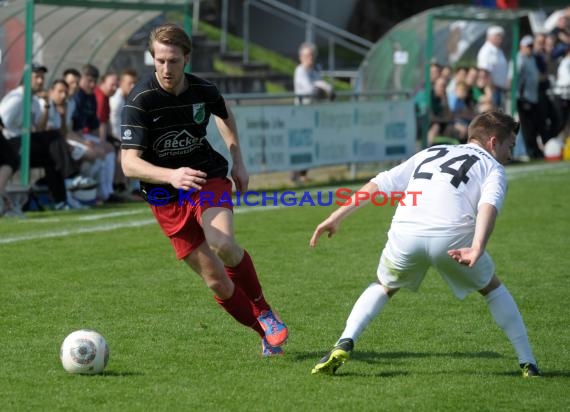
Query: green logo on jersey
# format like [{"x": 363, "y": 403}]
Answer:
[{"x": 199, "y": 110}]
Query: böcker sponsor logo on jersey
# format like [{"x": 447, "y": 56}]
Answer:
[{"x": 176, "y": 143}]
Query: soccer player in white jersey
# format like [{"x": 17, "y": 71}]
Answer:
[{"x": 447, "y": 227}]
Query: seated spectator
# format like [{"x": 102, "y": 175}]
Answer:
[
  {"x": 483, "y": 89},
  {"x": 86, "y": 122},
  {"x": 440, "y": 115},
  {"x": 58, "y": 118},
  {"x": 470, "y": 81},
  {"x": 462, "y": 113},
  {"x": 127, "y": 81},
  {"x": 459, "y": 75},
  {"x": 48, "y": 149},
  {"x": 103, "y": 92},
  {"x": 9, "y": 162}
]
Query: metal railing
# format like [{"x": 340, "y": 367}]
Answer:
[
  {"x": 335, "y": 35},
  {"x": 289, "y": 98}
]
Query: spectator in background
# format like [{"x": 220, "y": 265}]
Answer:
[
  {"x": 85, "y": 121},
  {"x": 446, "y": 73},
  {"x": 527, "y": 97},
  {"x": 9, "y": 163},
  {"x": 542, "y": 59},
  {"x": 127, "y": 81},
  {"x": 440, "y": 115},
  {"x": 483, "y": 89},
  {"x": 563, "y": 91},
  {"x": 471, "y": 81},
  {"x": 308, "y": 81},
  {"x": 491, "y": 58},
  {"x": 462, "y": 113},
  {"x": 310, "y": 87},
  {"x": 48, "y": 149},
  {"x": 59, "y": 118},
  {"x": 103, "y": 92},
  {"x": 434, "y": 72},
  {"x": 561, "y": 36},
  {"x": 459, "y": 75}
]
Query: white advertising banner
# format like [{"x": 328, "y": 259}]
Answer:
[{"x": 283, "y": 138}]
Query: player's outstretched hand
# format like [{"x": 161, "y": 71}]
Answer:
[
  {"x": 329, "y": 225},
  {"x": 466, "y": 256},
  {"x": 187, "y": 178}
]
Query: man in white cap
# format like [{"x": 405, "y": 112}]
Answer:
[{"x": 492, "y": 59}]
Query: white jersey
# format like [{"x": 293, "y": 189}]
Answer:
[
  {"x": 492, "y": 59},
  {"x": 453, "y": 181}
]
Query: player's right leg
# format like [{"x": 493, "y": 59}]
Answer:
[{"x": 366, "y": 308}]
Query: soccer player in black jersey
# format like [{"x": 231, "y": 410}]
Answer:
[{"x": 164, "y": 145}]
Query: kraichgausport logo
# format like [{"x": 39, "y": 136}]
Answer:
[{"x": 340, "y": 197}]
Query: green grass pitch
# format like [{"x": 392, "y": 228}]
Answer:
[{"x": 173, "y": 348}]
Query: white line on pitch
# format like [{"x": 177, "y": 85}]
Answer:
[{"x": 109, "y": 226}]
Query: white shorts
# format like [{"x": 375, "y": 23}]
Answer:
[{"x": 406, "y": 259}]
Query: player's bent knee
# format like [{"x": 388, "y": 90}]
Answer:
[
  {"x": 493, "y": 284},
  {"x": 228, "y": 251}
]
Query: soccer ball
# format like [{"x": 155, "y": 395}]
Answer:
[{"x": 84, "y": 351}]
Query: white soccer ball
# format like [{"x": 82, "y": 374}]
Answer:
[{"x": 84, "y": 351}]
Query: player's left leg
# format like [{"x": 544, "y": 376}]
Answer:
[
  {"x": 217, "y": 223},
  {"x": 506, "y": 314}
]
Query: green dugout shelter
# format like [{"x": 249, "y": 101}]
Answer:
[
  {"x": 68, "y": 33},
  {"x": 448, "y": 35}
]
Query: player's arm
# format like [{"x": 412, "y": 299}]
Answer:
[
  {"x": 332, "y": 223},
  {"x": 228, "y": 131},
  {"x": 137, "y": 168},
  {"x": 484, "y": 224}
]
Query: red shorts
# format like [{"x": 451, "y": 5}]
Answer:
[{"x": 181, "y": 220}]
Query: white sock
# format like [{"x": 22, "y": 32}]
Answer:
[
  {"x": 506, "y": 314},
  {"x": 366, "y": 308}
]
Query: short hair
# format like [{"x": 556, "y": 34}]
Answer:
[
  {"x": 170, "y": 34},
  {"x": 111, "y": 73},
  {"x": 310, "y": 46},
  {"x": 90, "y": 71},
  {"x": 59, "y": 81},
  {"x": 129, "y": 72},
  {"x": 72, "y": 71},
  {"x": 492, "y": 123}
]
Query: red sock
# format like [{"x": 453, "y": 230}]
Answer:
[
  {"x": 245, "y": 276},
  {"x": 240, "y": 308}
]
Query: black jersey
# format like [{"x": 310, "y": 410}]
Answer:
[{"x": 171, "y": 130}]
